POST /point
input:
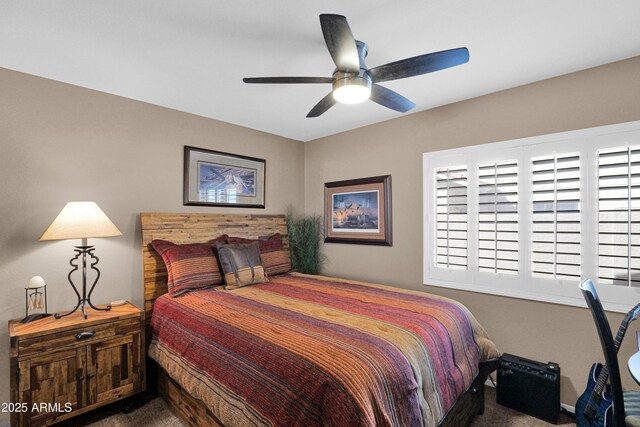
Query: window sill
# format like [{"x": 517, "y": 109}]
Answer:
[{"x": 575, "y": 301}]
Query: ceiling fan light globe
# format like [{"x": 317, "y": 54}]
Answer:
[{"x": 352, "y": 94}]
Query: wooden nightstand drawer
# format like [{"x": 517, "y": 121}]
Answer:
[{"x": 76, "y": 337}]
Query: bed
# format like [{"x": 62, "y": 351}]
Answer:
[{"x": 307, "y": 350}]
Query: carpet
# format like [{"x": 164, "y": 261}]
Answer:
[{"x": 153, "y": 411}]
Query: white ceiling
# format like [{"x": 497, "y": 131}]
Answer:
[{"x": 191, "y": 55}]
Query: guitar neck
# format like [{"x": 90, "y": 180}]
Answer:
[
  {"x": 602, "y": 380},
  {"x": 622, "y": 330}
]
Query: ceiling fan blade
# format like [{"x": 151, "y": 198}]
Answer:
[
  {"x": 322, "y": 106},
  {"x": 418, "y": 65},
  {"x": 390, "y": 99},
  {"x": 340, "y": 42},
  {"x": 279, "y": 80}
]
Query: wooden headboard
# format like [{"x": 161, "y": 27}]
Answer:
[{"x": 194, "y": 228}]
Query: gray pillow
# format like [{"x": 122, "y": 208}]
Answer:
[{"x": 241, "y": 264}]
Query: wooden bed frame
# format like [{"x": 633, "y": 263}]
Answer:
[{"x": 197, "y": 228}]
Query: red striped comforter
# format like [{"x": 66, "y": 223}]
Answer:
[{"x": 310, "y": 351}]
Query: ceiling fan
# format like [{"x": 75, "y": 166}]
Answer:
[{"x": 353, "y": 82}]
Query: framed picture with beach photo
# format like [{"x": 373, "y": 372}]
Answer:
[
  {"x": 214, "y": 178},
  {"x": 358, "y": 211}
]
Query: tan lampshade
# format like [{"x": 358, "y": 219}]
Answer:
[{"x": 80, "y": 220}]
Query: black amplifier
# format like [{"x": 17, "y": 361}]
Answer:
[{"x": 530, "y": 387}]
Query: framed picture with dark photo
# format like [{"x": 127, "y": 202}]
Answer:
[
  {"x": 358, "y": 211},
  {"x": 214, "y": 178}
]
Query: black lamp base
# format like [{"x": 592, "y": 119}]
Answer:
[
  {"x": 82, "y": 303},
  {"x": 85, "y": 299}
]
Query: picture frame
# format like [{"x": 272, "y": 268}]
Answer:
[
  {"x": 215, "y": 178},
  {"x": 358, "y": 211}
]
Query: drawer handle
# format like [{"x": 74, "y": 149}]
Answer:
[{"x": 84, "y": 335}]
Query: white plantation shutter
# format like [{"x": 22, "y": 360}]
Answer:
[
  {"x": 498, "y": 217},
  {"x": 555, "y": 217},
  {"x": 451, "y": 217},
  {"x": 619, "y": 216},
  {"x": 529, "y": 218}
]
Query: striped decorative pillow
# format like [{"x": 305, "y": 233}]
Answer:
[
  {"x": 189, "y": 267},
  {"x": 275, "y": 258},
  {"x": 267, "y": 243},
  {"x": 276, "y": 262}
]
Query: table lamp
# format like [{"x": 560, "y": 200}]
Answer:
[{"x": 82, "y": 220}]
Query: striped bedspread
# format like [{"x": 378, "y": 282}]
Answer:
[{"x": 316, "y": 351}]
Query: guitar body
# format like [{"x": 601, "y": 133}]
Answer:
[{"x": 596, "y": 412}]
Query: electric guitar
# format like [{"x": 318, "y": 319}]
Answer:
[{"x": 595, "y": 406}]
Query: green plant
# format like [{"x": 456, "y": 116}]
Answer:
[{"x": 305, "y": 235}]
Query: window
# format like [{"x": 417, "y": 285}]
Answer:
[
  {"x": 451, "y": 221},
  {"x": 529, "y": 218},
  {"x": 619, "y": 216},
  {"x": 498, "y": 217},
  {"x": 555, "y": 217}
]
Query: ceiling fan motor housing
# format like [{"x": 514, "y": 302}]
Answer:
[{"x": 341, "y": 79}]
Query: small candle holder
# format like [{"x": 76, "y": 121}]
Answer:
[{"x": 35, "y": 296}]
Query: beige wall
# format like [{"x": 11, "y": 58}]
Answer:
[
  {"x": 60, "y": 143},
  {"x": 604, "y": 95}
]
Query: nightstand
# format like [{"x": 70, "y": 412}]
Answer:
[{"x": 64, "y": 367}]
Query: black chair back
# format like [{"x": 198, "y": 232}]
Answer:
[{"x": 608, "y": 348}]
